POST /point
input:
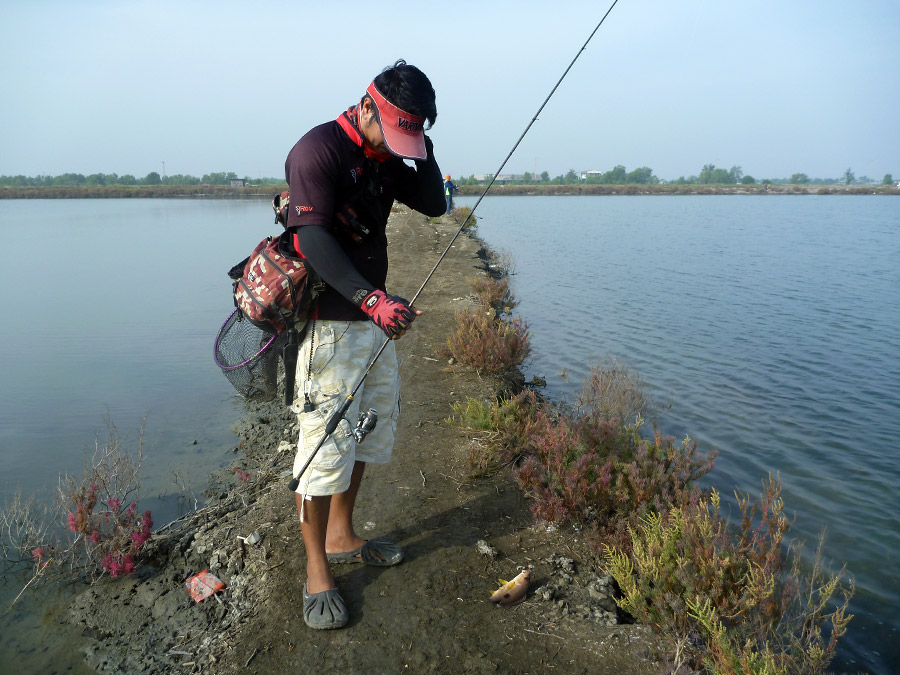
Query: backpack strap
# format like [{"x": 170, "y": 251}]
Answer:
[{"x": 280, "y": 205}]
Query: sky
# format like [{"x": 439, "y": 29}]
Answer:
[{"x": 192, "y": 87}]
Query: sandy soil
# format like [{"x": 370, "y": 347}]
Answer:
[{"x": 431, "y": 613}]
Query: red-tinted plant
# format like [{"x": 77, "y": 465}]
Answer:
[
  {"x": 109, "y": 537},
  {"x": 487, "y": 343},
  {"x": 606, "y": 475},
  {"x": 103, "y": 533}
]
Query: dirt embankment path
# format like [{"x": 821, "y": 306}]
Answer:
[{"x": 428, "y": 615}]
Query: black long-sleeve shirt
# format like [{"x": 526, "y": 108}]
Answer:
[{"x": 327, "y": 172}]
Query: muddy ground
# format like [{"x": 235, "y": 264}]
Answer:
[{"x": 428, "y": 615}]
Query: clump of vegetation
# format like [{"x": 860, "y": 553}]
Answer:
[
  {"x": 581, "y": 463},
  {"x": 489, "y": 339},
  {"x": 589, "y": 462},
  {"x": 94, "y": 528},
  {"x": 489, "y": 343},
  {"x": 501, "y": 262},
  {"x": 506, "y": 425},
  {"x": 460, "y": 213},
  {"x": 733, "y": 590},
  {"x": 613, "y": 391},
  {"x": 734, "y": 598},
  {"x": 494, "y": 293},
  {"x": 604, "y": 475}
]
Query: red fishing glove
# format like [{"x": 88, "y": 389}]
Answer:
[{"x": 390, "y": 313}]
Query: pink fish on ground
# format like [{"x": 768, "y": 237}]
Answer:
[{"x": 512, "y": 592}]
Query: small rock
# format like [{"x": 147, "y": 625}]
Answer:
[
  {"x": 451, "y": 361},
  {"x": 485, "y": 549},
  {"x": 561, "y": 563},
  {"x": 545, "y": 593},
  {"x": 608, "y": 604}
]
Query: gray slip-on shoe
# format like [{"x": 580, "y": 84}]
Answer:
[
  {"x": 373, "y": 552},
  {"x": 324, "y": 610}
]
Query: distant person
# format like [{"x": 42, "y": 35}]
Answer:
[
  {"x": 344, "y": 176},
  {"x": 449, "y": 189}
]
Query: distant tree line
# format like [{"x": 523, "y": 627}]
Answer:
[
  {"x": 618, "y": 175},
  {"x": 110, "y": 179},
  {"x": 709, "y": 175}
]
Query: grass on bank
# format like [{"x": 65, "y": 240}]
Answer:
[{"x": 732, "y": 597}]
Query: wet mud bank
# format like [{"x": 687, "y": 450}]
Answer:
[{"x": 460, "y": 534}]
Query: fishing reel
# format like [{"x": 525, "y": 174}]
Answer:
[{"x": 365, "y": 425}]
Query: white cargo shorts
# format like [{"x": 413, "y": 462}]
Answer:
[{"x": 341, "y": 350}]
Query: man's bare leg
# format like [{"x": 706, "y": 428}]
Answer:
[
  {"x": 314, "y": 526},
  {"x": 340, "y": 535}
]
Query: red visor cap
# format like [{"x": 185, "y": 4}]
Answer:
[{"x": 404, "y": 134}]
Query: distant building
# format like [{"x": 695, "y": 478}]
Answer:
[
  {"x": 237, "y": 182},
  {"x": 592, "y": 172},
  {"x": 507, "y": 178},
  {"x": 504, "y": 178}
]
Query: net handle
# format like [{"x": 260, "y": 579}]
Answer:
[{"x": 243, "y": 363}]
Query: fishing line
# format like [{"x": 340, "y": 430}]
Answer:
[
  {"x": 503, "y": 164},
  {"x": 339, "y": 414}
]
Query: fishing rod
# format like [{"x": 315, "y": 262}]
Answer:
[{"x": 362, "y": 427}]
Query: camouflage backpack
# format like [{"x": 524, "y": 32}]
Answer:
[{"x": 274, "y": 287}]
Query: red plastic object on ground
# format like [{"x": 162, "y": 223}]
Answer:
[{"x": 203, "y": 585}]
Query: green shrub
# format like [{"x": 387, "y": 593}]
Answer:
[
  {"x": 693, "y": 576},
  {"x": 505, "y": 424}
]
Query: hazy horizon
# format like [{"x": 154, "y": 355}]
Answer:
[{"x": 105, "y": 87}]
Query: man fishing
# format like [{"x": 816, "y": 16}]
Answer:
[
  {"x": 449, "y": 189},
  {"x": 344, "y": 176}
]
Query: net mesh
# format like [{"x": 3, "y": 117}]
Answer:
[{"x": 248, "y": 357}]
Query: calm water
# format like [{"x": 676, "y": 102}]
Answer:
[
  {"x": 770, "y": 324},
  {"x": 115, "y": 309}
]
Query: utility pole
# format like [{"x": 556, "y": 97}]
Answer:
[{"x": 164, "y": 170}]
